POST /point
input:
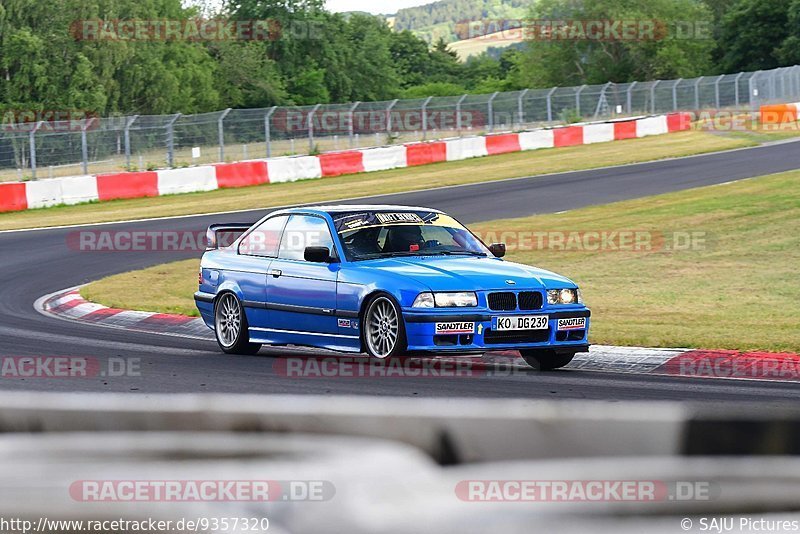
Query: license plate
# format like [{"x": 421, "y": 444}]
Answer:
[{"x": 520, "y": 322}]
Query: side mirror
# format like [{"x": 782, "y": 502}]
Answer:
[
  {"x": 498, "y": 249},
  {"x": 317, "y": 254}
]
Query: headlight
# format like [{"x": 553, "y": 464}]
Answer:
[
  {"x": 455, "y": 300},
  {"x": 564, "y": 296},
  {"x": 423, "y": 300},
  {"x": 446, "y": 300}
]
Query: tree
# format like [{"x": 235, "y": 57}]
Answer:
[
  {"x": 572, "y": 58},
  {"x": 789, "y": 51},
  {"x": 48, "y": 61},
  {"x": 246, "y": 77},
  {"x": 752, "y": 33}
]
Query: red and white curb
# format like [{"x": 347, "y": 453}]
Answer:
[
  {"x": 690, "y": 363},
  {"x": 70, "y": 305}
]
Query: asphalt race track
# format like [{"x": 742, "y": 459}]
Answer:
[{"x": 35, "y": 263}]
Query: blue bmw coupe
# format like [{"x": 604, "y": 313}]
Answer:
[{"x": 385, "y": 280}]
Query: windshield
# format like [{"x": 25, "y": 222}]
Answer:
[{"x": 378, "y": 234}]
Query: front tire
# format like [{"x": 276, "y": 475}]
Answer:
[
  {"x": 230, "y": 326},
  {"x": 546, "y": 359},
  {"x": 384, "y": 333}
]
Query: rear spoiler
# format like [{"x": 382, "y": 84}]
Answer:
[{"x": 212, "y": 239}]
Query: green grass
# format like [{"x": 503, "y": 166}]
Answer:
[
  {"x": 376, "y": 183},
  {"x": 164, "y": 288},
  {"x": 738, "y": 289}
]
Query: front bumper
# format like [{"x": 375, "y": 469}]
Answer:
[{"x": 422, "y": 336}]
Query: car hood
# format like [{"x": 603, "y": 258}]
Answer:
[{"x": 447, "y": 273}]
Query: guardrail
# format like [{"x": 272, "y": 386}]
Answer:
[{"x": 16, "y": 196}]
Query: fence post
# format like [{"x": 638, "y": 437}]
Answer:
[
  {"x": 458, "y": 113},
  {"x": 311, "y": 128},
  {"x": 629, "y": 97},
  {"x": 221, "y": 134},
  {"x": 268, "y": 130},
  {"x": 736, "y": 88},
  {"x": 521, "y": 108},
  {"x": 601, "y": 99},
  {"x": 425, "y": 117},
  {"x": 578, "y": 99},
  {"x": 351, "y": 126},
  {"x": 85, "y": 145},
  {"x": 796, "y": 79},
  {"x": 171, "y": 139},
  {"x": 127, "y": 134},
  {"x": 716, "y": 89},
  {"x": 550, "y": 104},
  {"x": 772, "y": 85},
  {"x": 32, "y": 147},
  {"x": 389, "y": 116},
  {"x": 752, "y": 88},
  {"x": 697, "y": 92},
  {"x": 675, "y": 94},
  {"x": 653, "y": 96},
  {"x": 490, "y": 110}
]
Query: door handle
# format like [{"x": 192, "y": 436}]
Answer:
[{"x": 275, "y": 272}]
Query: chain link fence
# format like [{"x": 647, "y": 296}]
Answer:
[{"x": 43, "y": 149}]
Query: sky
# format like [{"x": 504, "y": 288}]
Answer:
[{"x": 386, "y": 7}]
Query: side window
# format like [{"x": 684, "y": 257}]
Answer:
[
  {"x": 304, "y": 231},
  {"x": 263, "y": 241}
]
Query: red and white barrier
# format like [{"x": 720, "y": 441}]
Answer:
[
  {"x": 651, "y": 126},
  {"x": 15, "y": 196},
  {"x": 598, "y": 133},
  {"x": 425, "y": 153},
  {"x": 384, "y": 158},
  {"x": 502, "y": 143},
  {"x": 188, "y": 180},
  {"x": 536, "y": 139},
  {"x": 78, "y": 189},
  {"x": 241, "y": 173},
  {"x": 465, "y": 148},
  {"x": 127, "y": 185},
  {"x": 292, "y": 168},
  {"x": 336, "y": 163}
]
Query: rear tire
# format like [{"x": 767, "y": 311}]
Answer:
[
  {"x": 546, "y": 359},
  {"x": 230, "y": 326}
]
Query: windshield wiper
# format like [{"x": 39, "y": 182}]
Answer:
[
  {"x": 420, "y": 253},
  {"x": 463, "y": 253}
]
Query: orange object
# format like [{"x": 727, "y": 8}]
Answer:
[{"x": 778, "y": 113}]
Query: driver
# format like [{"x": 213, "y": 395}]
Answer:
[{"x": 401, "y": 238}]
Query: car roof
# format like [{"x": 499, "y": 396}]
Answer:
[{"x": 341, "y": 208}]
